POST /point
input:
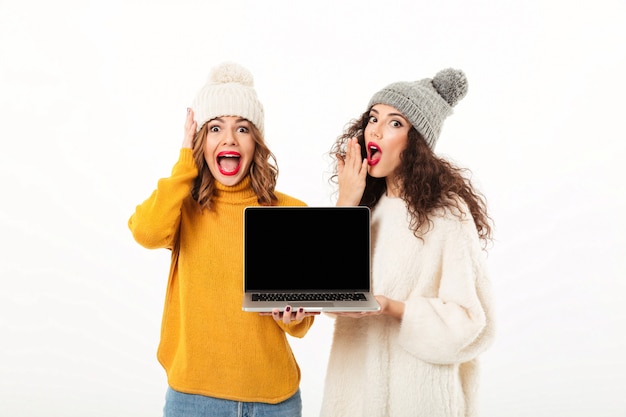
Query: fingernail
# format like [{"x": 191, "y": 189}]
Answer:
[
  {"x": 275, "y": 313},
  {"x": 288, "y": 308},
  {"x": 301, "y": 310},
  {"x": 188, "y": 110}
]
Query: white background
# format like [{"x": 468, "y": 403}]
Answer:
[{"x": 92, "y": 106}]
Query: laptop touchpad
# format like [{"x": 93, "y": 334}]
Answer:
[{"x": 312, "y": 304}]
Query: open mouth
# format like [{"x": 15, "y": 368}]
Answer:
[
  {"x": 373, "y": 154},
  {"x": 228, "y": 162}
]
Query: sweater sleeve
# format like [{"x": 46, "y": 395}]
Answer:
[
  {"x": 452, "y": 323},
  {"x": 155, "y": 221},
  {"x": 298, "y": 329}
]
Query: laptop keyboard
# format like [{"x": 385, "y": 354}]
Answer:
[{"x": 308, "y": 297}]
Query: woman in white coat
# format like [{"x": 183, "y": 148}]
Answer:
[{"x": 418, "y": 355}]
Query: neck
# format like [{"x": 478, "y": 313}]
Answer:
[{"x": 393, "y": 188}]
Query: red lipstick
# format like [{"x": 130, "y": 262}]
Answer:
[
  {"x": 373, "y": 153},
  {"x": 228, "y": 162}
]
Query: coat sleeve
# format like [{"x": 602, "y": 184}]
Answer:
[
  {"x": 451, "y": 321},
  {"x": 155, "y": 222}
]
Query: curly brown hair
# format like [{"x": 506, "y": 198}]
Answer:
[
  {"x": 263, "y": 171},
  {"x": 430, "y": 183}
]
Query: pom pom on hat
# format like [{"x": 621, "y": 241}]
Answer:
[
  {"x": 427, "y": 102},
  {"x": 451, "y": 84},
  {"x": 230, "y": 72},
  {"x": 229, "y": 91}
]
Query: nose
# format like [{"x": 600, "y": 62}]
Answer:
[
  {"x": 229, "y": 138},
  {"x": 374, "y": 133}
]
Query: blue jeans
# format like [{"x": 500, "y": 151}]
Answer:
[{"x": 178, "y": 404}]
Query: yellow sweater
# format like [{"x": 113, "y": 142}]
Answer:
[{"x": 209, "y": 346}]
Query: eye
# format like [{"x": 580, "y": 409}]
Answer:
[
  {"x": 396, "y": 123},
  {"x": 243, "y": 129},
  {"x": 373, "y": 119},
  {"x": 214, "y": 128}
]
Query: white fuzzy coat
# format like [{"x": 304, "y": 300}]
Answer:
[{"x": 426, "y": 364}]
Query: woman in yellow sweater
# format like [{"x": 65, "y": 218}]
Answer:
[{"x": 219, "y": 360}]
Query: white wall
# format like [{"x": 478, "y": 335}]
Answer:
[{"x": 92, "y": 105}]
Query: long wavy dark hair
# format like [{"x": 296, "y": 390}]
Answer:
[
  {"x": 263, "y": 171},
  {"x": 428, "y": 182}
]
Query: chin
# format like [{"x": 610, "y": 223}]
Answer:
[{"x": 372, "y": 173}]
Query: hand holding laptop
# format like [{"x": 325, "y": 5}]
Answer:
[
  {"x": 388, "y": 307},
  {"x": 288, "y": 314}
]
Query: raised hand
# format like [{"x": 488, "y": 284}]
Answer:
[
  {"x": 351, "y": 173},
  {"x": 190, "y": 129}
]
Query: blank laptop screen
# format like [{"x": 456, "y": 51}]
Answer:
[{"x": 307, "y": 248}]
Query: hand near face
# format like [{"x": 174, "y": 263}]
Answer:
[
  {"x": 190, "y": 130},
  {"x": 351, "y": 173}
]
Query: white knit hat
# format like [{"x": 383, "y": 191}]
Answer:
[{"x": 229, "y": 91}]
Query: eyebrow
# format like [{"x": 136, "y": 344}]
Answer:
[
  {"x": 239, "y": 120},
  {"x": 392, "y": 114}
]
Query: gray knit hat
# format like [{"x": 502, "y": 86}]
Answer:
[
  {"x": 229, "y": 91},
  {"x": 425, "y": 103}
]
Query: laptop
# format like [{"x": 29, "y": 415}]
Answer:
[{"x": 317, "y": 258}]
